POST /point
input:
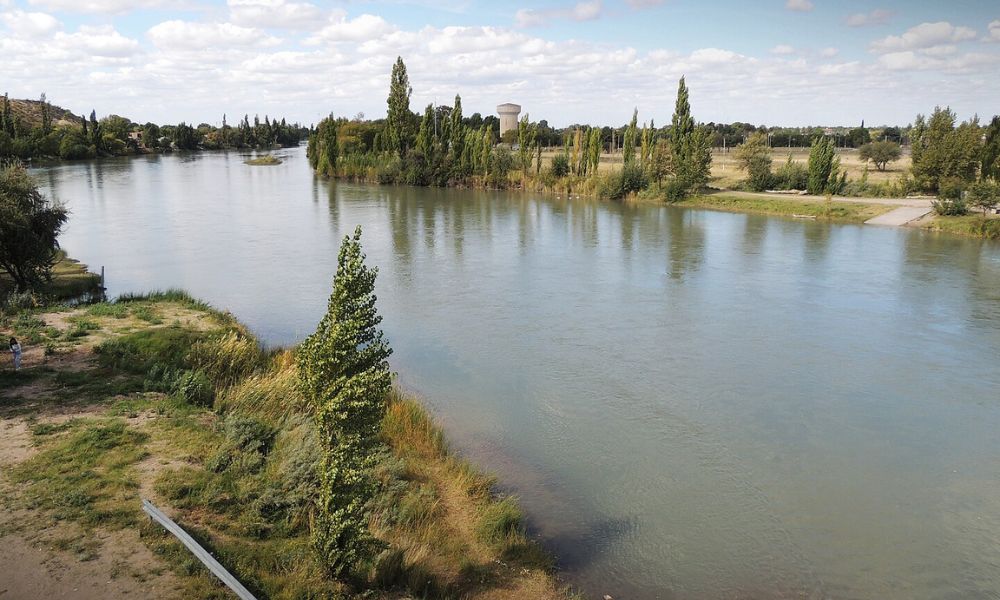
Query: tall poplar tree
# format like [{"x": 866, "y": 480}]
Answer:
[
  {"x": 397, "y": 121},
  {"x": 628, "y": 142},
  {"x": 344, "y": 374}
]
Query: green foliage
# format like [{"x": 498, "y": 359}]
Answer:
[
  {"x": 824, "y": 168},
  {"x": 754, "y": 157},
  {"x": 791, "y": 176},
  {"x": 29, "y": 227},
  {"x": 631, "y": 179},
  {"x": 322, "y": 149},
  {"x": 398, "y": 117},
  {"x": 984, "y": 196},
  {"x": 526, "y": 140},
  {"x": 941, "y": 151},
  {"x": 950, "y": 200},
  {"x": 628, "y": 142},
  {"x": 690, "y": 147},
  {"x": 228, "y": 358},
  {"x": 559, "y": 167},
  {"x": 140, "y": 352},
  {"x": 500, "y": 164},
  {"x": 193, "y": 387},
  {"x": 990, "y": 162},
  {"x": 881, "y": 153},
  {"x": 500, "y": 521},
  {"x": 345, "y": 376}
]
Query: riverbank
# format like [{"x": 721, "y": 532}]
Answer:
[
  {"x": 70, "y": 279},
  {"x": 834, "y": 210},
  {"x": 162, "y": 397}
]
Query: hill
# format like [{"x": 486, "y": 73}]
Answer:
[{"x": 30, "y": 113}]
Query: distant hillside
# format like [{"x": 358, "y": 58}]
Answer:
[{"x": 30, "y": 112}]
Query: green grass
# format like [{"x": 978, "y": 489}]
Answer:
[
  {"x": 87, "y": 475},
  {"x": 968, "y": 225},
  {"x": 139, "y": 352},
  {"x": 108, "y": 309},
  {"x": 268, "y": 159},
  {"x": 841, "y": 212},
  {"x": 70, "y": 279}
]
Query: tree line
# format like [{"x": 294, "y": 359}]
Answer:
[
  {"x": 71, "y": 137},
  {"x": 441, "y": 147}
]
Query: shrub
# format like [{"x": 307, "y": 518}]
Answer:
[
  {"x": 632, "y": 178},
  {"x": 559, "y": 166},
  {"x": 675, "y": 190},
  {"x": 499, "y": 521},
  {"x": 984, "y": 196},
  {"x": 791, "y": 176},
  {"x": 193, "y": 387},
  {"x": 228, "y": 358},
  {"x": 165, "y": 348}
]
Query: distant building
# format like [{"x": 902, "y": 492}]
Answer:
[{"x": 508, "y": 116}]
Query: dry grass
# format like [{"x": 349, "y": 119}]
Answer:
[{"x": 727, "y": 174}]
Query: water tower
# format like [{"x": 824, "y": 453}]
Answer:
[{"x": 508, "y": 116}]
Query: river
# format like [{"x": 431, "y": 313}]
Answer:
[{"x": 690, "y": 404}]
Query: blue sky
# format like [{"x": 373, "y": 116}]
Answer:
[{"x": 788, "y": 62}]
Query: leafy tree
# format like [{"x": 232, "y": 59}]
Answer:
[
  {"x": 628, "y": 143},
  {"x": 859, "y": 136},
  {"x": 456, "y": 135},
  {"x": 692, "y": 155},
  {"x": 942, "y": 151},
  {"x": 344, "y": 374},
  {"x": 29, "y": 228},
  {"x": 984, "y": 196},
  {"x": 7, "y": 118},
  {"x": 990, "y": 162},
  {"x": 661, "y": 165},
  {"x": 322, "y": 150},
  {"x": 594, "y": 150},
  {"x": 185, "y": 137},
  {"x": 526, "y": 134},
  {"x": 754, "y": 157},
  {"x": 824, "y": 168},
  {"x": 880, "y": 153},
  {"x": 397, "y": 121}
]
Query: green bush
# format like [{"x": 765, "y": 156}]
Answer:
[
  {"x": 632, "y": 178},
  {"x": 559, "y": 167},
  {"x": 165, "y": 348},
  {"x": 499, "y": 521},
  {"x": 193, "y": 387},
  {"x": 791, "y": 176}
]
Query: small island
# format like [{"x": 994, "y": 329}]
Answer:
[{"x": 267, "y": 159}]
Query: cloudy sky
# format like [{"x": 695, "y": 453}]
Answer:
[{"x": 794, "y": 62}]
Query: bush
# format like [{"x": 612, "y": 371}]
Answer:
[
  {"x": 675, "y": 190},
  {"x": 559, "y": 166},
  {"x": 228, "y": 358},
  {"x": 791, "y": 176},
  {"x": 632, "y": 178},
  {"x": 499, "y": 521},
  {"x": 984, "y": 196},
  {"x": 166, "y": 348},
  {"x": 950, "y": 207},
  {"x": 193, "y": 387}
]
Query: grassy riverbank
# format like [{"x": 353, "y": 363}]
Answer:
[
  {"x": 162, "y": 397},
  {"x": 70, "y": 279},
  {"x": 977, "y": 226},
  {"x": 838, "y": 212}
]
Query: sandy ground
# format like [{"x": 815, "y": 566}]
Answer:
[{"x": 44, "y": 558}]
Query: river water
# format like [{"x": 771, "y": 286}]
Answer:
[{"x": 690, "y": 404}]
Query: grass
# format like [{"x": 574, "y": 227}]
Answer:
[
  {"x": 267, "y": 159},
  {"x": 88, "y": 475},
  {"x": 242, "y": 475},
  {"x": 969, "y": 225},
  {"x": 70, "y": 280},
  {"x": 840, "y": 212}
]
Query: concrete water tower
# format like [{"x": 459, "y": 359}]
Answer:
[{"x": 508, "y": 116}]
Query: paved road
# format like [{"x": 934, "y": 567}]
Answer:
[{"x": 901, "y": 216}]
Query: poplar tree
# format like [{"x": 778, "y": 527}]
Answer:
[
  {"x": 823, "y": 167},
  {"x": 691, "y": 158},
  {"x": 525, "y": 139},
  {"x": 397, "y": 121},
  {"x": 628, "y": 143},
  {"x": 425, "y": 136},
  {"x": 594, "y": 149},
  {"x": 344, "y": 374},
  {"x": 6, "y": 119},
  {"x": 456, "y": 136}
]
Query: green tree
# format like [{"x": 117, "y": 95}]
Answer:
[
  {"x": 628, "y": 142},
  {"x": 824, "y": 168},
  {"x": 184, "y": 137},
  {"x": 322, "y": 150},
  {"x": 859, "y": 136},
  {"x": 425, "y": 135},
  {"x": 754, "y": 157},
  {"x": 594, "y": 150},
  {"x": 941, "y": 151},
  {"x": 880, "y": 153},
  {"x": 29, "y": 228},
  {"x": 691, "y": 158},
  {"x": 456, "y": 135},
  {"x": 398, "y": 116},
  {"x": 984, "y": 196},
  {"x": 525, "y": 142},
  {"x": 7, "y": 118},
  {"x": 990, "y": 162},
  {"x": 344, "y": 374}
]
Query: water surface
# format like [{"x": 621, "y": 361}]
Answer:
[{"x": 691, "y": 404}]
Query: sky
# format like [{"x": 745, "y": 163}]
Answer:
[{"x": 770, "y": 62}]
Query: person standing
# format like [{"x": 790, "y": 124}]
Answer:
[{"x": 15, "y": 349}]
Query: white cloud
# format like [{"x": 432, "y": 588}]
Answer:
[
  {"x": 279, "y": 14},
  {"x": 875, "y": 17},
  {"x": 637, "y": 4},
  {"x": 197, "y": 37},
  {"x": 581, "y": 11},
  {"x": 29, "y": 23},
  {"x": 102, "y": 41},
  {"x": 359, "y": 29},
  {"x": 799, "y": 5},
  {"x": 925, "y": 35},
  {"x": 993, "y": 31},
  {"x": 101, "y": 6},
  {"x": 782, "y": 49},
  {"x": 829, "y": 52}
]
